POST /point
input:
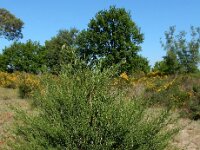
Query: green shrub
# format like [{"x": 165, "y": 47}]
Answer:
[
  {"x": 173, "y": 97},
  {"x": 183, "y": 94},
  {"x": 194, "y": 105},
  {"x": 177, "y": 97},
  {"x": 24, "y": 91},
  {"x": 78, "y": 111},
  {"x": 28, "y": 84}
]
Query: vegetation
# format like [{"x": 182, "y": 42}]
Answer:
[
  {"x": 78, "y": 111},
  {"x": 28, "y": 57},
  {"x": 179, "y": 92},
  {"x": 113, "y": 38},
  {"x": 26, "y": 83},
  {"x": 10, "y": 26},
  {"x": 92, "y": 90},
  {"x": 59, "y": 49},
  {"x": 182, "y": 55}
]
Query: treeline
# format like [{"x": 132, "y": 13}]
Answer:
[{"x": 112, "y": 38}]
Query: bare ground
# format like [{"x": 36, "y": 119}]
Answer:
[{"x": 189, "y": 137}]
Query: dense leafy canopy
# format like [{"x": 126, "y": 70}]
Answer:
[
  {"x": 28, "y": 57},
  {"x": 111, "y": 37},
  {"x": 10, "y": 26}
]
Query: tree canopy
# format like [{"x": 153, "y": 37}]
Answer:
[
  {"x": 59, "y": 49},
  {"x": 10, "y": 26},
  {"x": 111, "y": 37},
  {"x": 28, "y": 57}
]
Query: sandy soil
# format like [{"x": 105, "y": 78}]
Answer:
[{"x": 189, "y": 137}]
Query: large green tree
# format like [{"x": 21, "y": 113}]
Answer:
[
  {"x": 182, "y": 51},
  {"x": 28, "y": 57},
  {"x": 60, "y": 48},
  {"x": 10, "y": 26},
  {"x": 113, "y": 38}
]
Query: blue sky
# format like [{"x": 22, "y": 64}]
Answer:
[{"x": 43, "y": 18}]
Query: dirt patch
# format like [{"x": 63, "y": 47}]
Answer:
[{"x": 189, "y": 137}]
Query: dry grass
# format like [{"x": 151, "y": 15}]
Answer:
[
  {"x": 8, "y": 98},
  {"x": 8, "y": 94}
]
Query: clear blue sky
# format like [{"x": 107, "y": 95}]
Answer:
[{"x": 43, "y": 18}]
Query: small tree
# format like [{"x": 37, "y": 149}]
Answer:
[
  {"x": 171, "y": 62},
  {"x": 182, "y": 55},
  {"x": 111, "y": 37},
  {"x": 10, "y": 26}
]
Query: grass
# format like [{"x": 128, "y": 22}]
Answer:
[
  {"x": 7, "y": 94},
  {"x": 8, "y": 98}
]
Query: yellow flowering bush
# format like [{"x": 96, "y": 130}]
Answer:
[
  {"x": 182, "y": 91},
  {"x": 9, "y": 80},
  {"x": 122, "y": 80},
  {"x": 28, "y": 83},
  {"x": 24, "y": 81},
  {"x": 166, "y": 85}
]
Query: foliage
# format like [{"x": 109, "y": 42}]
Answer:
[
  {"x": 182, "y": 55},
  {"x": 179, "y": 92},
  {"x": 171, "y": 96},
  {"x": 28, "y": 84},
  {"x": 138, "y": 64},
  {"x": 27, "y": 57},
  {"x": 112, "y": 38},
  {"x": 10, "y": 26},
  {"x": 78, "y": 111},
  {"x": 194, "y": 105},
  {"x": 171, "y": 63},
  {"x": 160, "y": 66},
  {"x": 59, "y": 49},
  {"x": 2, "y": 63},
  {"x": 8, "y": 80}
]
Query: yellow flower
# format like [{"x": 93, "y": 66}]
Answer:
[
  {"x": 158, "y": 90},
  {"x": 124, "y": 76},
  {"x": 190, "y": 94}
]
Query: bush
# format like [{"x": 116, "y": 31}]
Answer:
[
  {"x": 28, "y": 84},
  {"x": 194, "y": 105},
  {"x": 24, "y": 91},
  {"x": 171, "y": 97},
  {"x": 78, "y": 111},
  {"x": 9, "y": 80},
  {"x": 182, "y": 93}
]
